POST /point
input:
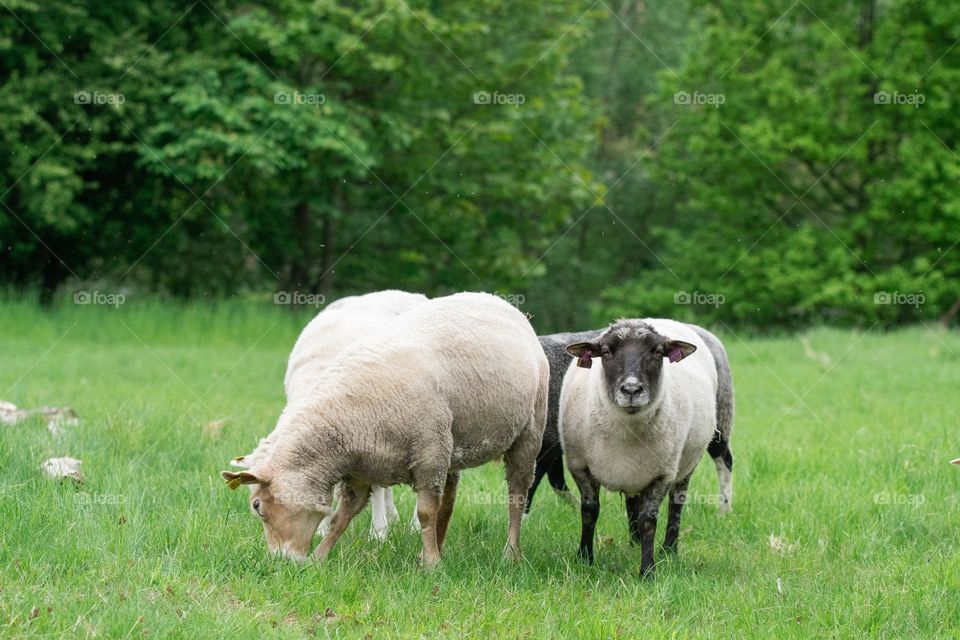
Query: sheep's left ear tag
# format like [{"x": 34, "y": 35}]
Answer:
[
  {"x": 675, "y": 356},
  {"x": 585, "y": 361}
]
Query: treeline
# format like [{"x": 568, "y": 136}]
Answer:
[{"x": 740, "y": 162}]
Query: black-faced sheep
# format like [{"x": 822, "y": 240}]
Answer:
[
  {"x": 550, "y": 459},
  {"x": 636, "y": 416}
]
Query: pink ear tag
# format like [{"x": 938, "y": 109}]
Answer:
[
  {"x": 585, "y": 360},
  {"x": 675, "y": 356}
]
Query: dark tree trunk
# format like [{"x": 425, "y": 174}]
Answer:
[
  {"x": 300, "y": 267},
  {"x": 52, "y": 277},
  {"x": 325, "y": 285},
  {"x": 951, "y": 312}
]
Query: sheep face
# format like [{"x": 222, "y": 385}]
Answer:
[
  {"x": 632, "y": 357},
  {"x": 289, "y": 516}
]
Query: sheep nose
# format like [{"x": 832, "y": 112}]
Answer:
[{"x": 631, "y": 387}]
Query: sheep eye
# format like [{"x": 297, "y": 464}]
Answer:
[
  {"x": 605, "y": 351},
  {"x": 256, "y": 506}
]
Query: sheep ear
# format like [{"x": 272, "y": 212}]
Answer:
[
  {"x": 262, "y": 476},
  {"x": 577, "y": 349},
  {"x": 240, "y": 461},
  {"x": 677, "y": 350},
  {"x": 957, "y": 461}
]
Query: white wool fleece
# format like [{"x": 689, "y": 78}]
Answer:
[{"x": 452, "y": 383}]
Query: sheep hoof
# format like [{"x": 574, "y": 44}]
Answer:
[
  {"x": 428, "y": 564},
  {"x": 378, "y": 533},
  {"x": 511, "y": 553}
]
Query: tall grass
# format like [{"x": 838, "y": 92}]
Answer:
[{"x": 844, "y": 524}]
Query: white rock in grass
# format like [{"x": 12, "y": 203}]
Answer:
[
  {"x": 9, "y": 414},
  {"x": 59, "y": 416},
  {"x": 782, "y": 545},
  {"x": 55, "y": 417},
  {"x": 65, "y": 467}
]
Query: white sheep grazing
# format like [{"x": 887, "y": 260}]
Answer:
[
  {"x": 638, "y": 421},
  {"x": 330, "y": 332},
  {"x": 453, "y": 383},
  {"x": 337, "y": 327}
]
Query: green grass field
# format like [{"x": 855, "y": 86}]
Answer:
[{"x": 842, "y": 455}]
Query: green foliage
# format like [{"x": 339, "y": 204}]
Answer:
[
  {"x": 326, "y": 147},
  {"x": 267, "y": 145},
  {"x": 826, "y": 177}
]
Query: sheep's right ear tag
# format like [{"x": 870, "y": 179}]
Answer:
[
  {"x": 585, "y": 361},
  {"x": 675, "y": 356},
  {"x": 232, "y": 479}
]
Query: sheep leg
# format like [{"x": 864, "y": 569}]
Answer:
[
  {"x": 719, "y": 450},
  {"x": 392, "y": 514},
  {"x": 589, "y": 511},
  {"x": 519, "y": 462},
  {"x": 428, "y": 506},
  {"x": 324, "y": 528},
  {"x": 559, "y": 483},
  {"x": 678, "y": 497},
  {"x": 650, "y": 499},
  {"x": 542, "y": 464},
  {"x": 633, "y": 518},
  {"x": 378, "y": 520},
  {"x": 415, "y": 521},
  {"x": 352, "y": 501},
  {"x": 446, "y": 506}
]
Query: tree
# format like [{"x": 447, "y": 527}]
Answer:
[
  {"x": 812, "y": 169},
  {"x": 272, "y": 145}
]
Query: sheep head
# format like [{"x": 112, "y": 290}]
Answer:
[
  {"x": 289, "y": 514},
  {"x": 632, "y": 354}
]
